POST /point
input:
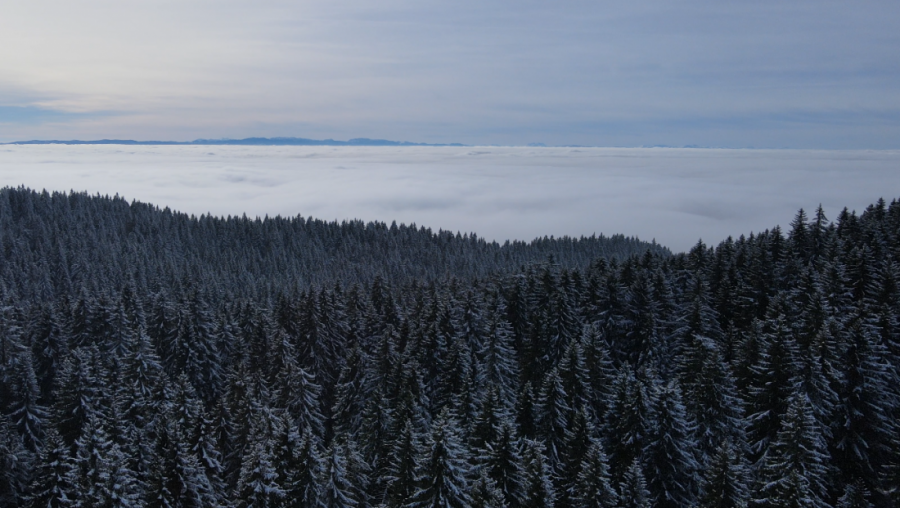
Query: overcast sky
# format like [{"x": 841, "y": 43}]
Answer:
[{"x": 766, "y": 73}]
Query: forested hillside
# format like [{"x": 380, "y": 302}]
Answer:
[
  {"x": 53, "y": 245},
  {"x": 148, "y": 358}
]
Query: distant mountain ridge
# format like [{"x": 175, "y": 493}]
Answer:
[{"x": 280, "y": 141}]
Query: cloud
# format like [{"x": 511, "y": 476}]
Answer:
[
  {"x": 675, "y": 196},
  {"x": 31, "y": 115}
]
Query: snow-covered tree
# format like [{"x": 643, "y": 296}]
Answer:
[
  {"x": 725, "y": 480},
  {"x": 444, "y": 469},
  {"x": 795, "y": 467},
  {"x": 593, "y": 486}
]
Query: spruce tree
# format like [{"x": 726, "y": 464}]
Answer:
[
  {"x": 710, "y": 395},
  {"x": 258, "y": 486},
  {"x": 498, "y": 355},
  {"x": 300, "y": 395},
  {"x": 863, "y": 442},
  {"x": 485, "y": 493},
  {"x": 627, "y": 422},
  {"x": 100, "y": 476},
  {"x": 774, "y": 379},
  {"x": 350, "y": 392},
  {"x": 15, "y": 465},
  {"x": 176, "y": 478},
  {"x": 537, "y": 487},
  {"x": 27, "y": 414},
  {"x": 553, "y": 415},
  {"x": 444, "y": 468},
  {"x": 794, "y": 469},
  {"x": 503, "y": 463},
  {"x": 77, "y": 400},
  {"x": 633, "y": 491},
  {"x": 855, "y": 496},
  {"x": 592, "y": 487},
  {"x": 51, "y": 487},
  {"x": 304, "y": 481},
  {"x": 725, "y": 480},
  {"x": 669, "y": 454},
  {"x": 337, "y": 489},
  {"x": 401, "y": 475}
]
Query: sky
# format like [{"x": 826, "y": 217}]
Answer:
[
  {"x": 674, "y": 196},
  {"x": 809, "y": 74}
]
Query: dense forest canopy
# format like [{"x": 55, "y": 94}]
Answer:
[
  {"x": 149, "y": 358},
  {"x": 57, "y": 243}
]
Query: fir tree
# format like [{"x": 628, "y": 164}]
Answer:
[
  {"x": 350, "y": 392},
  {"x": 710, "y": 395},
  {"x": 401, "y": 475},
  {"x": 337, "y": 489},
  {"x": 14, "y": 465},
  {"x": 27, "y": 414},
  {"x": 258, "y": 486},
  {"x": 855, "y": 496},
  {"x": 598, "y": 365},
  {"x": 633, "y": 491},
  {"x": 485, "y": 493},
  {"x": 862, "y": 437},
  {"x": 77, "y": 400},
  {"x": 794, "y": 469},
  {"x": 444, "y": 469},
  {"x": 51, "y": 487},
  {"x": 671, "y": 465},
  {"x": 299, "y": 394},
  {"x": 774, "y": 379},
  {"x": 498, "y": 355},
  {"x": 553, "y": 418},
  {"x": 176, "y": 478},
  {"x": 503, "y": 463},
  {"x": 537, "y": 487},
  {"x": 725, "y": 480},
  {"x": 304, "y": 481},
  {"x": 593, "y": 485},
  {"x": 627, "y": 422},
  {"x": 100, "y": 476}
]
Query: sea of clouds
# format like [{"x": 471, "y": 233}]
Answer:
[{"x": 675, "y": 196}]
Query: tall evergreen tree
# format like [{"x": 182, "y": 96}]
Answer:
[
  {"x": 401, "y": 474},
  {"x": 485, "y": 493},
  {"x": 633, "y": 491},
  {"x": 258, "y": 483},
  {"x": 794, "y": 469},
  {"x": 51, "y": 487},
  {"x": 27, "y": 414},
  {"x": 503, "y": 463},
  {"x": 862, "y": 443},
  {"x": 710, "y": 395},
  {"x": 725, "y": 480},
  {"x": 176, "y": 479},
  {"x": 444, "y": 468},
  {"x": 337, "y": 489},
  {"x": 537, "y": 487},
  {"x": 627, "y": 422},
  {"x": 15, "y": 466},
  {"x": 593, "y": 485},
  {"x": 669, "y": 454},
  {"x": 553, "y": 416}
]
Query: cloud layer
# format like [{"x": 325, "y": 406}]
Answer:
[{"x": 676, "y": 196}]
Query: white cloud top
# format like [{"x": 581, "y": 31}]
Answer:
[{"x": 676, "y": 196}]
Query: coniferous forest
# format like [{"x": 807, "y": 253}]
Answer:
[{"x": 151, "y": 358}]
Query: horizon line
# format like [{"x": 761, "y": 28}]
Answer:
[{"x": 296, "y": 141}]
